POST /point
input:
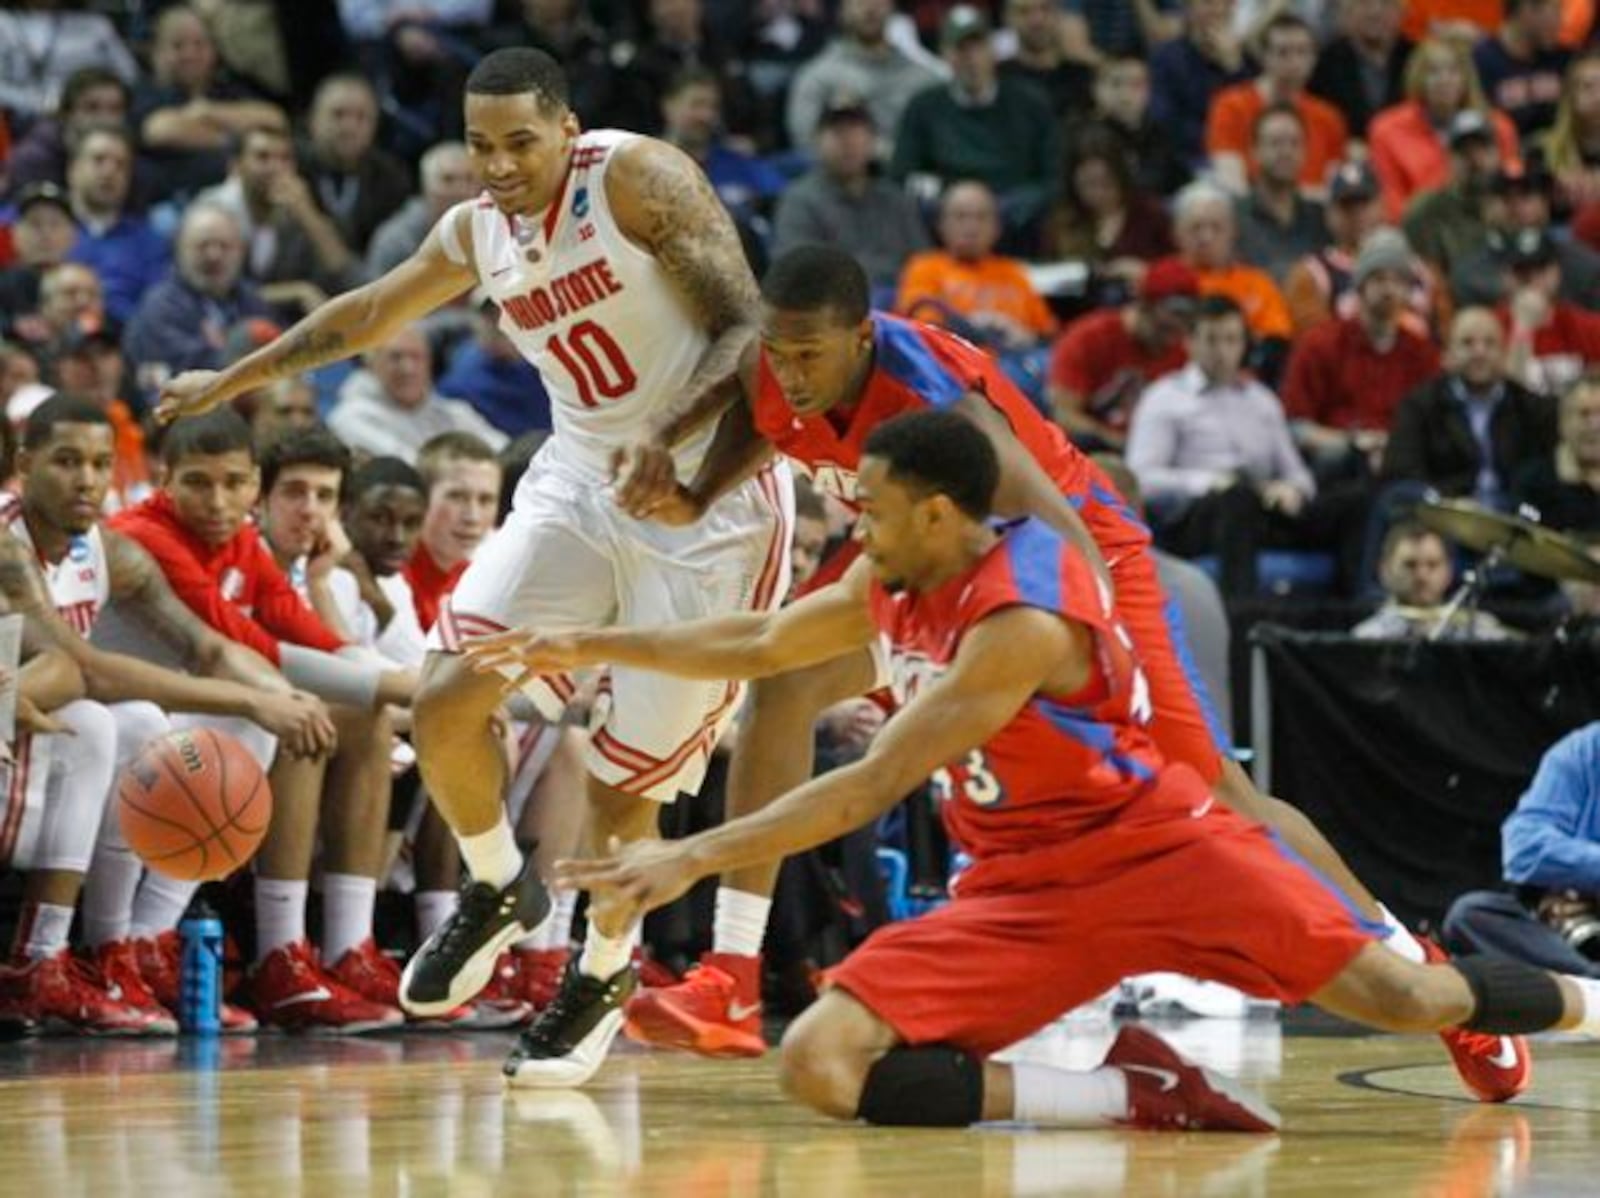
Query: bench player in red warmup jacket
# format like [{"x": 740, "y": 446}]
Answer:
[
  {"x": 828, "y": 373},
  {"x": 1093, "y": 856}
]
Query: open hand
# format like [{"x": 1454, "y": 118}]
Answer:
[
  {"x": 192, "y": 393},
  {"x": 645, "y": 480},
  {"x": 634, "y": 879},
  {"x": 528, "y": 653}
]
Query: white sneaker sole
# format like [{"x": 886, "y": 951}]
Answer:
[
  {"x": 470, "y": 979},
  {"x": 577, "y": 1067}
]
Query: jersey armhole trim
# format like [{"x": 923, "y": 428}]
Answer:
[{"x": 450, "y": 235}]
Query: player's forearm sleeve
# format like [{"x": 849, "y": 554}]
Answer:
[{"x": 333, "y": 679}]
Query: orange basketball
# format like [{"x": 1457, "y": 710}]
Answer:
[{"x": 194, "y": 805}]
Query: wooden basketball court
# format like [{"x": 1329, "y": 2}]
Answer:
[{"x": 427, "y": 1114}]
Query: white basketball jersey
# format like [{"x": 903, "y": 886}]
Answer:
[
  {"x": 80, "y": 583},
  {"x": 594, "y": 312}
]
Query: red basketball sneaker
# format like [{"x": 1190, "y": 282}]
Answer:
[
  {"x": 118, "y": 964},
  {"x": 370, "y": 973},
  {"x": 539, "y": 973},
  {"x": 714, "y": 1011},
  {"x": 1494, "y": 1068},
  {"x": 1168, "y": 1093},
  {"x": 500, "y": 1003},
  {"x": 290, "y": 990},
  {"x": 158, "y": 966},
  {"x": 62, "y": 993}
]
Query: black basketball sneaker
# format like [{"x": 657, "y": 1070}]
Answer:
[
  {"x": 458, "y": 960},
  {"x": 570, "y": 1038}
]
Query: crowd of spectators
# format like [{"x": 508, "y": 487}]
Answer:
[{"x": 1288, "y": 260}]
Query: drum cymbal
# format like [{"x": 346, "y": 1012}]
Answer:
[{"x": 1529, "y": 547}]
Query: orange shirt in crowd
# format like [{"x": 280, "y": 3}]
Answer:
[
  {"x": 1256, "y": 294},
  {"x": 1410, "y": 157},
  {"x": 993, "y": 284},
  {"x": 1233, "y": 114},
  {"x": 1487, "y": 15}
]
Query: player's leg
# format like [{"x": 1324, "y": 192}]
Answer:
[
  {"x": 539, "y": 569},
  {"x": 655, "y": 742},
  {"x": 289, "y": 987},
  {"x": 552, "y": 820},
  {"x": 55, "y": 848},
  {"x": 355, "y": 825},
  {"x": 716, "y": 1009}
]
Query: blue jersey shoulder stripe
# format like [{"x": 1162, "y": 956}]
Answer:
[
  {"x": 905, "y": 357},
  {"x": 1033, "y": 549}
]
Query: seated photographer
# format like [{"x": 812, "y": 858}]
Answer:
[{"x": 1550, "y": 849}]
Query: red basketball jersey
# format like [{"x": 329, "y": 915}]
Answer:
[
  {"x": 918, "y": 366},
  {"x": 1064, "y": 764}
]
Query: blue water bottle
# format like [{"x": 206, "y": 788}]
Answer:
[{"x": 200, "y": 971}]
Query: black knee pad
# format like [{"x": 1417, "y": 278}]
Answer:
[
  {"x": 932, "y": 1086},
  {"x": 1509, "y": 997}
]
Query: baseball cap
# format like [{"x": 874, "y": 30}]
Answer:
[
  {"x": 1168, "y": 279},
  {"x": 1469, "y": 125},
  {"x": 1353, "y": 181},
  {"x": 960, "y": 23},
  {"x": 1522, "y": 249},
  {"x": 845, "y": 106},
  {"x": 43, "y": 193}
]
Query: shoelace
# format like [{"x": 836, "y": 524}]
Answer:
[
  {"x": 477, "y": 902},
  {"x": 563, "y": 1008}
]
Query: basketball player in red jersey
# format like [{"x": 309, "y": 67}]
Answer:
[
  {"x": 828, "y": 373},
  {"x": 1093, "y": 857},
  {"x": 619, "y": 275}
]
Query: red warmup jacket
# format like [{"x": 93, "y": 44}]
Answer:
[{"x": 236, "y": 588}]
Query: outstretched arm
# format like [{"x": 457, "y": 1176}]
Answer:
[
  {"x": 1001, "y": 663},
  {"x": 825, "y": 624},
  {"x": 345, "y": 325},
  {"x": 663, "y": 202}
]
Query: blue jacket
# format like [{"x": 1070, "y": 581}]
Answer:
[
  {"x": 176, "y": 328},
  {"x": 130, "y": 257},
  {"x": 508, "y": 393},
  {"x": 1552, "y": 839}
]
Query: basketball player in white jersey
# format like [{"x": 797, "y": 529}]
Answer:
[
  {"x": 66, "y": 466},
  {"x": 619, "y": 275}
]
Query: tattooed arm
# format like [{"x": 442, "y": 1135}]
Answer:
[
  {"x": 344, "y": 326},
  {"x": 663, "y": 203}
]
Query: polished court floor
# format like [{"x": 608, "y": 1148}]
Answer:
[{"x": 426, "y": 1114}]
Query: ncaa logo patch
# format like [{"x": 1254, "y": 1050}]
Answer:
[
  {"x": 580, "y": 203},
  {"x": 78, "y": 549}
]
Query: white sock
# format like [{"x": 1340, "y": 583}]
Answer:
[
  {"x": 280, "y": 914},
  {"x": 492, "y": 856},
  {"x": 604, "y": 956},
  {"x": 740, "y": 924},
  {"x": 556, "y": 930},
  {"x": 346, "y": 913},
  {"x": 47, "y": 935},
  {"x": 160, "y": 904},
  {"x": 1400, "y": 938},
  {"x": 108, "y": 893},
  {"x": 1051, "y": 1097},
  {"x": 1589, "y": 1025},
  {"x": 433, "y": 908}
]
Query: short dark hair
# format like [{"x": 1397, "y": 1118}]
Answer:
[
  {"x": 60, "y": 409},
  {"x": 383, "y": 472},
  {"x": 1286, "y": 21},
  {"x": 452, "y": 447},
  {"x": 238, "y": 142},
  {"x": 86, "y": 79},
  {"x": 314, "y": 446},
  {"x": 80, "y": 137},
  {"x": 939, "y": 452},
  {"x": 215, "y": 433},
  {"x": 1218, "y": 307},
  {"x": 1407, "y": 530},
  {"x": 810, "y": 278},
  {"x": 518, "y": 69},
  {"x": 1276, "y": 109}
]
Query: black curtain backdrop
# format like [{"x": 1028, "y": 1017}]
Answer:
[{"x": 1408, "y": 756}]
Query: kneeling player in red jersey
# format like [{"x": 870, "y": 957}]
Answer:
[
  {"x": 1093, "y": 857},
  {"x": 828, "y": 372}
]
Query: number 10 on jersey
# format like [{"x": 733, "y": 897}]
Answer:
[{"x": 598, "y": 367}]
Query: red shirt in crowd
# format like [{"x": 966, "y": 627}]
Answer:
[
  {"x": 430, "y": 584},
  {"x": 237, "y": 588},
  {"x": 1099, "y": 360},
  {"x": 1563, "y": 349},
  {"x": 1338, "y": 378}
]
